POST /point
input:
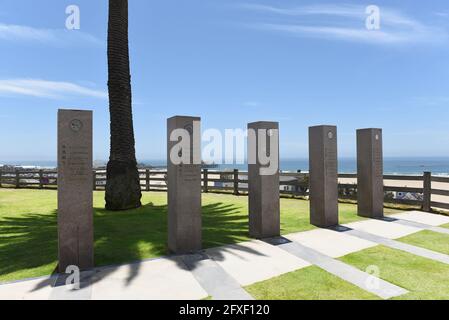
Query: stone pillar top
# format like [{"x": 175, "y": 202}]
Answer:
[
  {"x": 74, "y": 110},
  {"x": 260, "y": 124},
  {"x": 368, "y": 129},
  {"x": 373, "y": 131},
  {"x": 184, "y": 117},
  {"x": 324, "y": 126}
]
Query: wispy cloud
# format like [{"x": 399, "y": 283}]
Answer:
[
  {"x": 430, "y": 101},
  {"x": 324, "y": 9},
  {"x": 442, "y": 14},
  {"x": 47, "y": 89},
  {"x": 347, "y": 22},
  {"x": 58, "y": 37},
  {"x": 252, "y": 104}
]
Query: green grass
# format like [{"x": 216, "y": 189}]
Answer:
[
  {"x": 28, "y": 233},
  {"x": 430, "y": 240},
  {"x": 425, "y": 279},
  {"x": 311, "y": 283},
  {"x": 446, "y": 226}
]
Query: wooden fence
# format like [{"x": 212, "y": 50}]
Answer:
[{"x": 236, "y": 182}]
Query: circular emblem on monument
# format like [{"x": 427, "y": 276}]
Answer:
[
  {"x": 330, "y": 135},
  {"x": 270, "y": 132},
  {"x": 377, "y": 137},
  {"x": 189, "y": 128},
  {"x": 76, "y": 125}
]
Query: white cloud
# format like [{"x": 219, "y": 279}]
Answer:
[
  {"x": 251, "y": 104},
  {"x": 347, "y": 22},
  {"x": 359, "y": 35},
  {"x": 442, "y": 14},
  {"x": 59, "y": 37},
  {"x": 341, "y": 10},
  {"x": 430, "y": 101},
  {"x": 47, "y": 89}
]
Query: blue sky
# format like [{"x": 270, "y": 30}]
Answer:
[{"x": 301, "y": 63}]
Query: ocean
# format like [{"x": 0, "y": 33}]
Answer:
[{"x": 398, "y": 166}]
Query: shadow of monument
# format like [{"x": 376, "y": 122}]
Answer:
[{"x": 30, "y": 241}]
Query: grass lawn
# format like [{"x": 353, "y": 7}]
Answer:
[
  {"x": 430, "y": 240},
  {"x": 446, "y": 226},
  {"x": 425, "y": 279},
  {"x": 28, "y": 233},
  {"x": 311, "y": 283}
]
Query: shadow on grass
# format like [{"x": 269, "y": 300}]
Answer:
[
  {"x": 30, "y": 241},
  {"x": 27, "y": 242}
]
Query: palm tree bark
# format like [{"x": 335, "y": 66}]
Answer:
[{"x": 123, "y": 183}]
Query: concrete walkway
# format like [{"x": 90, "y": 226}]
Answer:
[
  {"x": 382, "y": 289},
  {"x": 417, "y": 251},
  {"x": 219, "y": 284},
  {"x": 421, "y": 220},
  {"x": 384, "y": 232},
  {"x": 255, "y": 261},
  {"x": 221, "y": 273}
]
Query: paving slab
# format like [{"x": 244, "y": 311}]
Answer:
[
  {"x": 69, "y": 293},
  {"x": 218, "y": 284},
  {"x": 363, "y": 280},
  {"x": 416, "y": 225},
  {"x": 439, "y": 230},
  {"x": 417, "y": 251},
  {"x": 255, "y": 261},
  {"x": 37, "y": 289},
  {"x": 430, "y": 219},
  {"x": 383, "y": 228},
  {"x": 160, "y": 279},
  {"x": 330, "y": 243},
  {"x": 64, "y": 290}
]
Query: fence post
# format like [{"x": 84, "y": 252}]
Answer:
[
  {"x": 147, "y": 180},
  {"x": 236, "y": 182},
  {"x": 41, "y": 178},
  {"x": 95, "y": 179},
  {"x": 17, "y": 179},
  {"x": 206, "y": 180},
  {"x": 1, "y": 177},
  {"x": 427, "y": 192}
]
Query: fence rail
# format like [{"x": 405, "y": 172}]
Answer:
[{"x": 419, "y": 190}]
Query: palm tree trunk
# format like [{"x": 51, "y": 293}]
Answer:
[{"x": 123, "y": 183}]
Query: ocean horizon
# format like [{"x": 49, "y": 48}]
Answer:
[{"x": 393, "y": 166}]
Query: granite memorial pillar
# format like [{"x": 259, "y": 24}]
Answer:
[
  {"x": 75, "y": 199},
  {"x": 370, "y": 189},
  {"x": 184, "y": 184},
  {"x": 263, "y": 180},
  {"x": 323, "y": 168}
]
